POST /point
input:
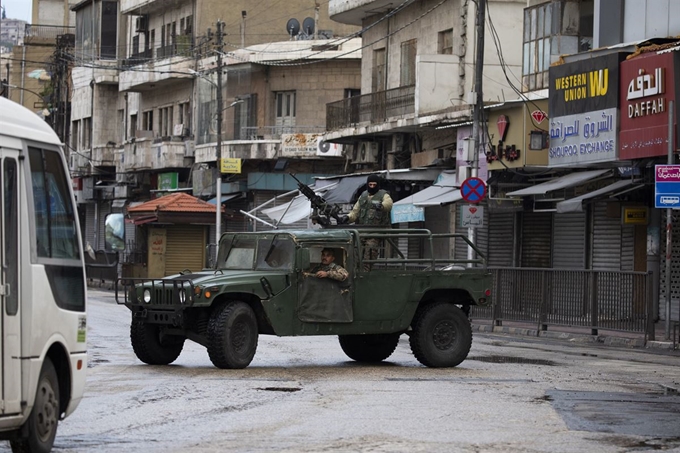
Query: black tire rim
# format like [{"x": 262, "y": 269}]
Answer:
[{"x": 444, "y": 335}]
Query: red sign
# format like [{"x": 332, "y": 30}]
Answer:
[
  {"x": 502, "y": 124},
  {"x": 538, "y": 116},
  {"x": 647, "y": 86},
  {"x": 473, "y": 190}
]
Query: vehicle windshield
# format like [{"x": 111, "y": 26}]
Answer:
[{"x": 262, "y": 253}]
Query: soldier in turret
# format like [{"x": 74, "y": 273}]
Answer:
[{"x": 372, "y": 208}]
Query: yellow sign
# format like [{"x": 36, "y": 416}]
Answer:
[
  {"x": 230, "y": 165},
  {"x": 635, "y": 216}
]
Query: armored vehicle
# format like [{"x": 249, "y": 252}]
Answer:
[{"x": 261, "y": 284}]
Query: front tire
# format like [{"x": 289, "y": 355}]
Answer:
[
  {"x": 232, "y": 336},
  {"x": 369, "y": 348},
  {"x": 41, "y": 427},
  {"x": 441, "y": 335},
  {"x": 151, "y": 346}
]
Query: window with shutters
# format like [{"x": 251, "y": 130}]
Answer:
[
  {"x": 408, "y": 62},
  {"x": 445, "y": 42},
  {"x": 378, "y": 72}
]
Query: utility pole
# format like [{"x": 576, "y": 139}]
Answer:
[
  {"x": 218, "y": 188},
  {"x": 479, "y": 105}
]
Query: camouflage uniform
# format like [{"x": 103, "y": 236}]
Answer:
[
  {"x": 335, "y": 271},
  {"x": 364, "y": 213}
]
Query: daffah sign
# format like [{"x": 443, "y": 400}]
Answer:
[{"x": 584, "y": 101}]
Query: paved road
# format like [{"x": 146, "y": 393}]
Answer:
[{"x": 304, "y": 395}]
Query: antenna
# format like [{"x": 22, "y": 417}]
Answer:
[
  {"x": 293, "y": 27},
  {"x": 308, "y": 26}
]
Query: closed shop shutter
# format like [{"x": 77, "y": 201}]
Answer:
[
  {"x": 606, "y": 239},
  {"x": 675, "y": 268},
  {"x": 234, "y": 221},
  {"x": 415, "y": 245},
  {"x": 89, "y": 224},
  {"x": 482, "y": 238},
  {"x": 437, "y": 221},
  {"x": 536, "y": 239},
  {"x": 185, "y": 248},
  {"x": 501, "y": 239},
  {"x": 569, "y": 241},
  {"x": 627, "y": 248}
]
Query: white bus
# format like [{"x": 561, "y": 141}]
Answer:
[{"x": 43, "y": 355}]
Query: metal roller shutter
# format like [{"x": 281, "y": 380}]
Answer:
[
  {"x": 627, "y": 248},
  {"x": 89, "y": 224},
  {"x": 104, "y": 210},
  {"x": 606, "y": 239},
  {"x": 675, "y": 268},
  {"x": 185, "y": 248},
  {"x": 483, "y": 234},
  {"x": 235, "y": 222},
  {"x": 437, "y": 221},
  {"x": 536, "y": 239},
  {"x": 569, "y": 241},
  {"x": 501, "y": 239}
]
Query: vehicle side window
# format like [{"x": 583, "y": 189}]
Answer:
[
  {"x": 277, "y": 253},
  {"x": 10, "y": 220},
  {"x": 55, "y": 227}
]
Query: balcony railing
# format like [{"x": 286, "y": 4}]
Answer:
[
  {"x": 138, "y": 58},
  {"x": 48, "y": 32},
  {"x": 182, "y": 46},
  {"x": 370, "y": 108}
]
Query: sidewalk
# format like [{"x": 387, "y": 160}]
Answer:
[{"x": 582, "y": 335}]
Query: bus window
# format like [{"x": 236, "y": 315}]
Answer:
[
  {"x": 9, "y": 219},
  {"x": 54, "y": 218}
]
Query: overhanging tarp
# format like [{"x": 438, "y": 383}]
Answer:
[
  {"x": 297, "y": 209},
  {"x": 563, "y": 182},
  {"x": 226, "y": 198},
  {"x": 345, "y": 190},
  {"x": 442, "y": 192},
  {"x": 576, "y": 204}
]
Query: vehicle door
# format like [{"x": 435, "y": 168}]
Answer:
[
  {"x": 325, "y": 300},
  {"x": 10, "y": 337}
]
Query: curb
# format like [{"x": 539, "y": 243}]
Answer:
[{"x": 621, "y": 342}]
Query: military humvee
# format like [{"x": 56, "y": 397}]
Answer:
[{"x": 260, "y": 285}]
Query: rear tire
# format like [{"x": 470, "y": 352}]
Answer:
[
  {"x": 441, "y": 335},
  {"x": 153, "y": 348},
  {"x": 369, "y": 348},
  {"x": 39, "y": 431},
  {"x": 232, "y": 336}
]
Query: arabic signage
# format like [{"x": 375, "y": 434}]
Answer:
[
  {"x": 299, "y": 145},
  {"x": 402, "y": 213},
  {"x": 635, "y": 215},
  {"x": 471, "y": 216},
  {"x": 230, "y": 165},
  {"x": 667, "y": 186},
  {"x": 648, "y": 84},
  {"x": 584, "y": 104},
  {"x": 168, "y": 181}
]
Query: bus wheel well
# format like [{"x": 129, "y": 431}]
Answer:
[{"x": 62, "y": 363}]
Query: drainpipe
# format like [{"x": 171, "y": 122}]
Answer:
[{"x": 23, "y": 74}]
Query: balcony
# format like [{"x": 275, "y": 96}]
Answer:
[
  {"x": 139, "y": 7},
  {"x": 153, "y": 154},
  {"x": 46, "y": 34},
  {"x": 103, "y": 156},
  {"x": 370, "y": 108},
  {"x": 162, "y": 65},
  {"x": 354, "y": 12}
]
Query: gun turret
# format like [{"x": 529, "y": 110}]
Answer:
[{"x": 322, "y": 210}]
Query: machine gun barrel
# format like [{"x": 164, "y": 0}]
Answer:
[{"x": 318, "y": 203}]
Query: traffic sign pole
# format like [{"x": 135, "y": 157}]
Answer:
[{"x": 669, "y": 226}]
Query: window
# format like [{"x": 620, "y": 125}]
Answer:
[
  {"x": 285, "y": 109},
  {"x": 165, "y": 121},
  {"x": 245, "y": 118},
  {"x": 121, "y": 126},
  {"x": 75, "y": 139},
  {"x": 408, "y": 63},
  {"x": 552, "y": 29},
  {"x": 10, "y": 222},
  {"x": 147, "y": 120},
  {"x": 184, "y": 113},
  {"x": 378, "y": 73},
  {"x": 445, "y": 42},
  {"x": 133, "y": 125},
  {"x": 87, "y": 136},
  {"x": 55, "y": 228}
]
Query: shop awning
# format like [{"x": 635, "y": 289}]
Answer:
[
  {"x": 226, "y": 198},
  {"x": 345, "y": 189},
  {"x": 576, "y": 204},
  {"x": 142, "y": 220},
  {"x": 442, "y": 192},
  {"x": 563, "y": 182}
]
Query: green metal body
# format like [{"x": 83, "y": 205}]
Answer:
[{"x": 288, "y": 301}]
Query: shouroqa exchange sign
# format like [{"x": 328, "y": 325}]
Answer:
[{"x": 584, "y": 101}]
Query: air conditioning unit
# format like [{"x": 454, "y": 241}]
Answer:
[
  {"x": 365, "y": 153},
  {"x": 327, "y": 149},
  {"x": 142, "y": 24}
]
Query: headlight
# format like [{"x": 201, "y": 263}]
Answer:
[
  {"x": 182, "y": 296},
  {"x": 147, "y": 296}
]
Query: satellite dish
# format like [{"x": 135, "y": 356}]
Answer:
[
  {"x": 293, "y": 27},
  {"x": 308, "y": 26}
]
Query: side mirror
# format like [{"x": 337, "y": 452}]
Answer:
[
  {"x": 303, "y": 259},
  {"x": 115, "y": 232}
]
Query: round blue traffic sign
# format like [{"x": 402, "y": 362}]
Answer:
[{"x": 473, "y": 190}]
